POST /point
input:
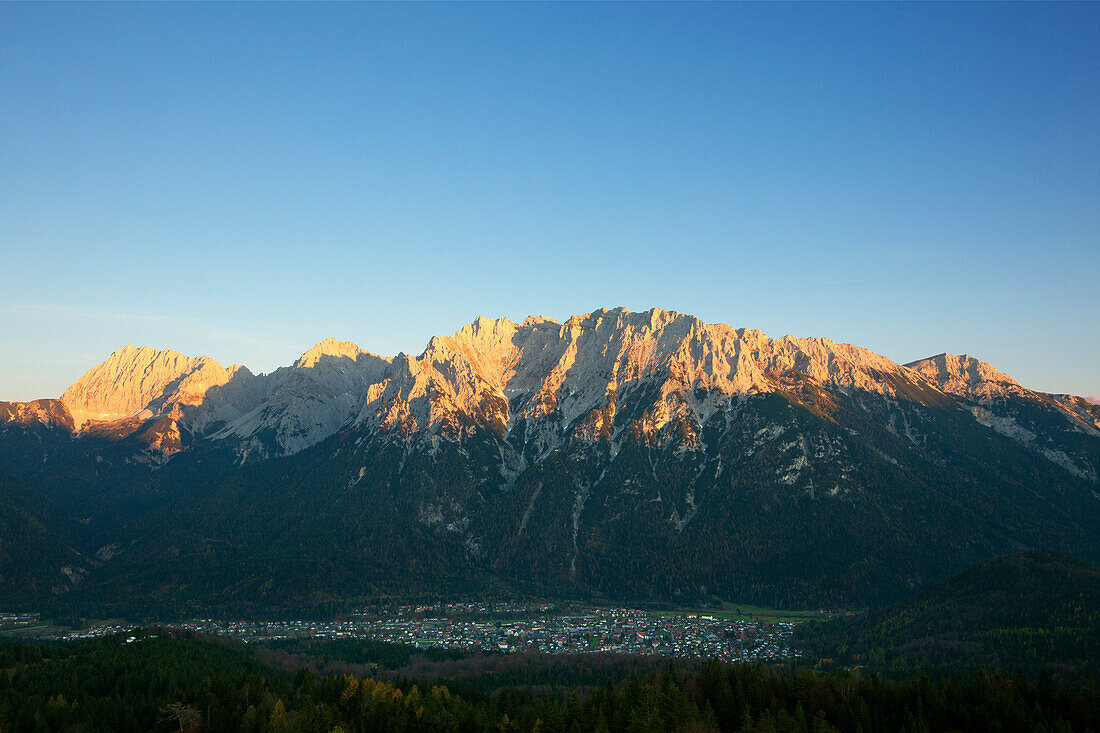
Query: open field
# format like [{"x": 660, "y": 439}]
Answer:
[{"x": 22, "y": 632}]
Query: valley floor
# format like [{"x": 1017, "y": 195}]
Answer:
[{"x": 488, "y": 628}]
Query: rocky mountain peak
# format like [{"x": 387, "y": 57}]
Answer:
[
  {"x": 965, "y": 376},
  {"x": 530, "y": 321},
  {"x": 329, "y": 347},
  {"x": 134, "y": 379}
]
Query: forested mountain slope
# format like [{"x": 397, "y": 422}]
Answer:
[{"x": 1035, "y": 611}]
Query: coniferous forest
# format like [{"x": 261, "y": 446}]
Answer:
[{"x": 171, "y": 682}]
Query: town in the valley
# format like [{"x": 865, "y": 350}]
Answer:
[{"x": 510, "y": 627}]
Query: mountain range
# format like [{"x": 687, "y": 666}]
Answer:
[{"x": 616, "y": 455}]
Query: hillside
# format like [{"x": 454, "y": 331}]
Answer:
[
  {"x": 1036, "y": 610},
  {"x": 37, "y": 556}
]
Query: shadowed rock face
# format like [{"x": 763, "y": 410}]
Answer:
[{"x": 298, "y": 406}]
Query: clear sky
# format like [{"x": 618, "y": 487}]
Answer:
[{"x": 245, "y": 180}]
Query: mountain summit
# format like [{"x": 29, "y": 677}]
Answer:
[{"x": 133, "y": 379}]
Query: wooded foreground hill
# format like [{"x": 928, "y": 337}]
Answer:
[
  {"x": 174, "y": 683},
  {"x": 1034, "y": 611}
]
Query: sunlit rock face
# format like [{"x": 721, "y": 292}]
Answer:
[
  {"x": 168, "y": 397},
  {"x": 965, "y": 376},
  {"x": 133, "y": 380},
  {"x": 45, "y": 413},
  {"x": 532, "y": 384},
  {"x": 543, "y": 368}
]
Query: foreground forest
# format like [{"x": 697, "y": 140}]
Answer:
[{"x": 171, "y": 682}]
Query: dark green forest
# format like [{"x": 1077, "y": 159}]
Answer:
[
  {"x": 172, "y": 682},
  {"x": 1037, "y": 611}
]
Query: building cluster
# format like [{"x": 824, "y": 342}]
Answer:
[
  {"x": 510, "y": 627},
  {"x": 619, "y": 630},
  {"x": 511, "y": 609},
  {"x": 19, "y": 620},
  {"x": 96, "y": 631}
]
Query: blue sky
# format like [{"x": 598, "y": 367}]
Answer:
[{"x": 245, "y": 180}]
